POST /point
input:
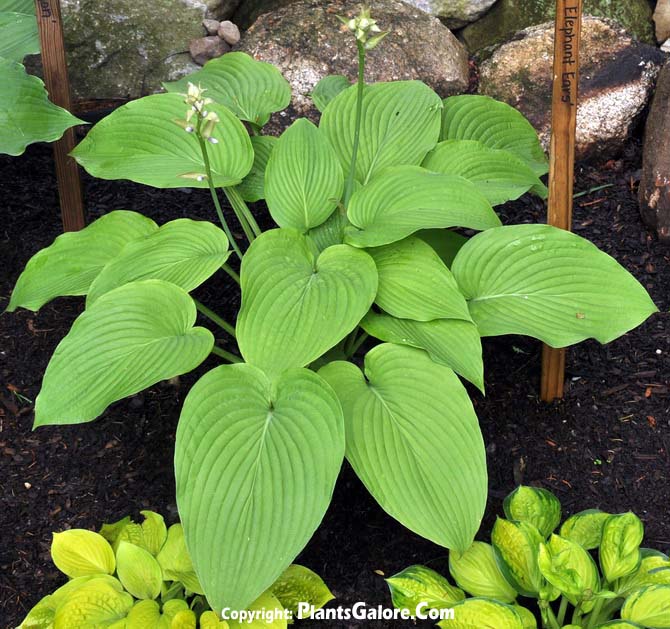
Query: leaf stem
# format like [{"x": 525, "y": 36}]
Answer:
[
  {"x": 358, "y": 342},
  {"x": 231, "y": 358},
  {"x": 232, "y": 273},
  {"x": 595, "y": 614},
  {"x": 349, "y": 187},
  {"x": 242, "y": 210},
  {"x": 562, "y": 610},
  {"x": 212, "y": 316}
]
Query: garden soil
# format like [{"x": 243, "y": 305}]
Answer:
[{"x": 606, "y": 445}]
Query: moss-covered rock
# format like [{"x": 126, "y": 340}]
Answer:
[{"x": 509, "y": 16}]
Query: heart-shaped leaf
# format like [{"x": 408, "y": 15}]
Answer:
[
  {"x": 303, "y": 180},
  {"x": 252, "y": 187},
  {"x": 413, "y": 439},
  {"x": 415, "y": 284},
  {"x": 95, "y": 604},
  {"x": 500, "y": 176},
  {"x": 535, "y": 505},
  {"x": 450, "y": 342},
  {"x": 247, "y": 501},
  {"x": 495, "y": 124},
  {"x": 295, "y": 306},
  {"x": 327, "y": 89},
  {"x": 418, "y": 584},
  {"x": 70, "y": 264},
  {"x": 298, "y": 584},
  {"x": 18, "y": 34},
  {"x": 251, "y": 89},
  {"x": 81, "y": 553},
  {"x": 548, "y": 283},
  {"x": 183, "y": 252},
  {"x": 406, "y": 199},
  {"x": 26, "y": 113},
  {"x": 399, "y": 124},
  {"x": 141, "y": 142},
  {"x": 130, "y": 338},
  {"x": 620, "y": 545}
]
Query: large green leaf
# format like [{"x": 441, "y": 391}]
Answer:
[
  {"x": 548, "y": 283},
  {"x": 495, "y": 124},
  {"x": 499, "y": 175},
  {"x": 18, "y": 33},
  {"x": 303, "y": 180},
  {"x": 141, "y": 142},
  {"x": 251, "y": 89},
  {"x": 327, "y": 89},
  {"x": 70, "y": 264},
  {"x": 406, "y": 199},
  {"x": 255, "y": 463},
  {"x": 450, "y": 342},
  {"x": 130, "y": 338},
  {"x": 400, "y": 124},
  {"x": 183, "y": 252},
  {"x": 252, "y": 187},
  {"x": 26, "y": 113},
  {"x": 414, "y": 440},
  {"x": 295, "y": 306},
  {"x": 415, "y": 284}
]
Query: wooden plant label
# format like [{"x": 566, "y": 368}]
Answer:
[
  {"x": 58, "y": 86},
  {"x": 562, "y": 156}
]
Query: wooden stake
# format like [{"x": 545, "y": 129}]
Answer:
[
  {"x": 58, "y": 86},
  {"x": 562, "y": 156}
]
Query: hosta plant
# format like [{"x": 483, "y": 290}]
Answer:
[
  {"x": 359, "y": 310},
  {"x": 588, "y": 572},
  {"x": 140, "y": 576}
]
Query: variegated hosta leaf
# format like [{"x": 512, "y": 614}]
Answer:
[
  {"x": 26, "y": 113},
  {"x": 478, "y": 573},
  {"x": 585, "y": 528},
  {"x": 649, "y": 607},
  {"x": 183, "y": 252},
  {"x": 498, "y": 174},
  {"x": 415, "y": 284},
  {"x": 298, "y": 584},
  {"x": 327, "y": 89},
  {"x": 654, "y": 569},
  {"x": 450, "y": 342},
  {"x": 70, "y": 264},
  {"x": 535, "y": 505},
  {"x": 247, "y": 502},
  {"x": 141, "y": 142},
  {"x": 400, "y": 123},
  {"x": 295, "y": 305},
  {"x": 482, "y": 613},
  {"x": 418, "y": 584},
  {"x": 303, "y": 179},
  {"x": 620, "y": 545},
  {"x": 251, "y": 89},
  {"x": 130, "y": 338},
  {"x": 405, "y": 199},
  {"x": 412, "y": 435},
  {"x": 495, "y": 124},
  {"x": 252, "y": 187},
  {"x": 548, "y": 283},
  {"x": 79, "y": 553}
]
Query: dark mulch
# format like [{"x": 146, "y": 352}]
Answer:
[{"x": 606, "y": 445}]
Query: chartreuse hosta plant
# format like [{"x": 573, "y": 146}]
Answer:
[
  {"x": 589, "y": 572},
  {"x": 26, "y": 114},
  {"x": 364, "y": 204},
  {"x": 140, "y": 576}
]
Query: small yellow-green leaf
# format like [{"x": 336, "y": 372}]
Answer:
[
  {"x": 527, "y": 617},
  {"x": 620, "y": 546},
  {"x": 482, "y": 613},
  {"x": 585, "y": 528},
  {"x": 184, "y": 619},
  {"x": 268, "y": 605},
  {"x": 172, "y": 607},
  {"x": 111, "y": 531},
  {"x": 297, "y": 585},
  {"x": 146, "y": 615},
  {"x": 176, "y": 562},
  {"x": 139, "y": 572},
  {"x": 41, "y": 616},
  {"x": 209, "y": 620},
  {"x": 95, "y": 604},
  {"x": 418, "y": 584},
  {"x": 154, "y": 532},
  {"x": 79, "y": 552},
  {"x": 477, "y": 572},
  {"x": 131, "y": 532},
  {"x": 570, "y": 568},
  {"x": 649, "y": 607},
  {"x": 517, "y": 545},
  {"x": 535, "y": 505}
]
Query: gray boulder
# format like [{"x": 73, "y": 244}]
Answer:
[
  {"x": 306, "y": 42},
  {"x": 662, "y": 20},
  {"x": 654, "y": 192},
  {"x": 510, "y": 16},
  {"x": 616, "y": 82}
]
